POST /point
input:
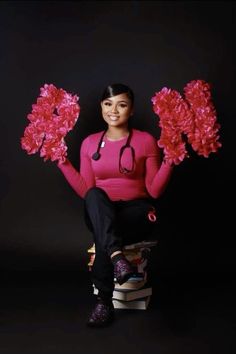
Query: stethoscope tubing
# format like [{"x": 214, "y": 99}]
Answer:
[{"x": 96, "y": 156}]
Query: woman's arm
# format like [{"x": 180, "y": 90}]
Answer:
[
  {"x": 81, "y": 181},
  {"x": 157, "y": 173}
]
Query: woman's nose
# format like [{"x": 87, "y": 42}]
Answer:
[{"x": 114, "y": 109}]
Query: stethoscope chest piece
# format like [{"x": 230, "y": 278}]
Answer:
[{"x": 96, "y": 156}]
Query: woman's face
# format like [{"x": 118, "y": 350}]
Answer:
[{"x": 116, "y": 110}]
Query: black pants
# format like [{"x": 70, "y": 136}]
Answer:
[{"x": 114, "y": 224}]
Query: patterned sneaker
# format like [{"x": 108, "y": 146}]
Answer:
[
  {"x": 122, "y": 270},
  {"x": 102, "y": 315}
]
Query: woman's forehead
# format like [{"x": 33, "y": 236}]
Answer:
[{"x": 118, "y": 98}]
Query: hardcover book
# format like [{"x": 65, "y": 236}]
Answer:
[
  {"x": 133, "y": 283},
  {"x": 141, "y": 304},
  {"x": 143, "y": 244},
  {"x": 125, "y": 295}
]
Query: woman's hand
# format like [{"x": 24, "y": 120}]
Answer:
[{"x": 62, "y": 163}]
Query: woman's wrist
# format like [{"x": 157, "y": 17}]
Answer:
[
  {"x": 168, "y": 164},
  {"x": 62, "y": 163}
]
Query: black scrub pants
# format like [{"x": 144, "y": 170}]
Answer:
[{"x": 114, "y": 224}]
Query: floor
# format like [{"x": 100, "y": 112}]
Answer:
[{"x": 46, "y": 312}]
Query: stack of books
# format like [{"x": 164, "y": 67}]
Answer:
[{"x": 136, "y": 292}]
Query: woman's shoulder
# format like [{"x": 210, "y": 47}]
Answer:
[
  {"x": 94, "y": 137},
  {"x": 146, "y": 142},
  {"x": 142, "y": 134}
]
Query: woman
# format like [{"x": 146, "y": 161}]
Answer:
[{"x": 120, "y": 176}]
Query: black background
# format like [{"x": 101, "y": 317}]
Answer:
[{"x": 82, "y": 47}]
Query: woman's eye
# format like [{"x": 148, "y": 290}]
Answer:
[
  {"x": 123, "y": 105},
  {"x": 107, "y": 103}
]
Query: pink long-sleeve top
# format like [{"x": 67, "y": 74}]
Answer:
[{"x": 148, "y": 179}]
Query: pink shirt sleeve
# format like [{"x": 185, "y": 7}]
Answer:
[
  {"x": 81, "y": 181},
  {"x": 85, "y": 164},
  {"x": 157, "y": 173}
]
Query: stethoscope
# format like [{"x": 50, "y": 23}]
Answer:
[{"x": 96, "y": 156}]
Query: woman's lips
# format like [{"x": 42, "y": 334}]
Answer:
[{"x": 113, "y": 118}]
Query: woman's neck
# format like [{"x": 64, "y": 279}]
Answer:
[{"x": 116, "y": 134}]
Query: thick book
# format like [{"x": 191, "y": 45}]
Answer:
[
  {"x": 134, "y": 283},
  {"x": 141, "y": 304},
  {"x": 135, "y": 277},
  {"x": 143, "y": 244},
  {"x": 91, "y": 249},
  {"x": 125, "y": 295},
  {"x": 91, "y": 260},
  {"x": 140, "y": 266},
  {"x": 130, "y": 285}
]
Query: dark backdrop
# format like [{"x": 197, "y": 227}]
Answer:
[{"x": 82, "y": 47}]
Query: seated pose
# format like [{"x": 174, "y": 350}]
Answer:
[{"x": 120, "y": 178}]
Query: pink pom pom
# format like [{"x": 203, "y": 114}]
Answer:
[
  {"x": 175, "y": 118},
  {"x": 32, "y": 139},
  {"x": 54, "y": 149},
  {"x": 52, "y": 117},
  {"x": 204, "y": 138},
  {"x": 194, "y": 116}
]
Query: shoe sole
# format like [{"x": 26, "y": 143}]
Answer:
[{"x": 100, "y": 325}]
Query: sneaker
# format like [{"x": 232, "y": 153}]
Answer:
[
  {"x": 102, "y": 315},
  {"x": 122, "y": 270}
]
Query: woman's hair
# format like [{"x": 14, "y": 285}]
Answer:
[{"x": 117, "y": 89}]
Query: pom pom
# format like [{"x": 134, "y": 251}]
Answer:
[
  {"x": 175, "y": 119},
  {"x": 204, "y": 137},
  {"x": 52, "y": 117},
  {"x": 193, "y": 116}
]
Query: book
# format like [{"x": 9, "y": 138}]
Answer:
[
  {"x": 140, "y": 265},
  {"x": 125, "y": 295},
  {"x": 134, "y": 283},
  {"x": 130, "y": 285},
  {"x": 91, "y": 260},
  {"x": 136, "y": 277},
  {"x": 141, "y": 304},
  {"x": 143, "y": 244},
  {"x": 91, "y": 249}
]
